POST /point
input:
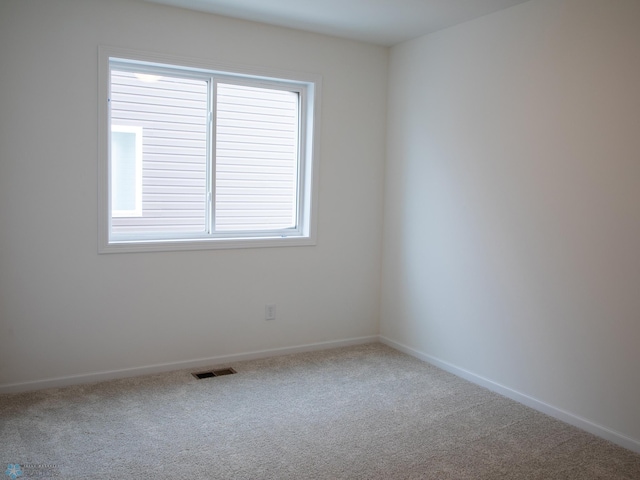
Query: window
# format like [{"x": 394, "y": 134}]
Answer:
[
  {"x": 126, "y": 168},
  {"x": 194, "y": 156}
]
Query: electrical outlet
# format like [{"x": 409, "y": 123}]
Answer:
[{"x": 270, "y": 312}]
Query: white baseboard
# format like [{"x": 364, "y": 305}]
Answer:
[
  {"x": 560, "y": 414},
  {"x": 167, "y": 367}
]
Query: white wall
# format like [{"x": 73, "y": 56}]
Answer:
[
  {"x": 64, "y": 309},
  {"x": 512, "y": 204}
]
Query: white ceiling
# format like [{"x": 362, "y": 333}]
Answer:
[{"x": 383, "y": 22}]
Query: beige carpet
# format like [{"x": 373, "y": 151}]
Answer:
[{"x": 365, "y": 412}]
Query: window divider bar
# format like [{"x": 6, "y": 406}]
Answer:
[{"x": 211, "y": 170}]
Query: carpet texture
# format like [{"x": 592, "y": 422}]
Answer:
[{"x": 364, "y": 412}]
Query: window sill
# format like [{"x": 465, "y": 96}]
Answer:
[{"x": 208, "y": 244}]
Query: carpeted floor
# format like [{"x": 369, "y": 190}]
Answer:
[{"x": 364, "y": 412}]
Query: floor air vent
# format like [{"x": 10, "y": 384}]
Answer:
[{"x": 214, "y": 373}]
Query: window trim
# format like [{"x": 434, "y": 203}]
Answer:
[{"x": 309, "y": 145}]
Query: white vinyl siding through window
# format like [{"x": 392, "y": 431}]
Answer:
[
  {"x": 172, "y": 113},
  {"x": 256, "y": 158},
  {"x": 200, "y": 158}
]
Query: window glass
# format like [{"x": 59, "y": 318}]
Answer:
[{"x": 256, "y": 158}]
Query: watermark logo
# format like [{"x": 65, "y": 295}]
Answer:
[
  {"x": 13, "y": 471},
  {"x": 31, "y": 470}
]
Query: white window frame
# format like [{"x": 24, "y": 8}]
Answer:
[
  {"x": 137, "y": 211},
  {"x": 307, "y": 199}
]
